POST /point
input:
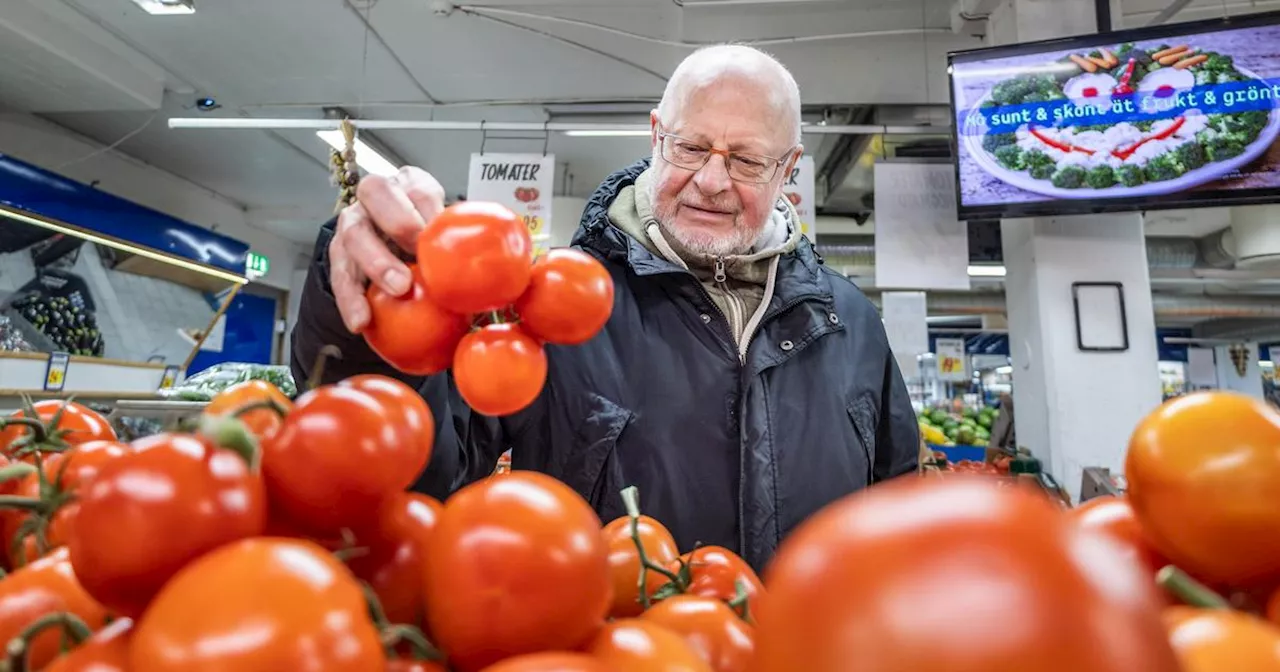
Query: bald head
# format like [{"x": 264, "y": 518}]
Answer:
[{"x": 739, "y": 66}]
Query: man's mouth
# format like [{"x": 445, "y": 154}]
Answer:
[{"x": 709, "y": 210}]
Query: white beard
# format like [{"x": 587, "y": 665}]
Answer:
[{"x": 740, "y": 241}]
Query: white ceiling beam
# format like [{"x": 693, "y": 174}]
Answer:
[{"x": 551, "y": 127}]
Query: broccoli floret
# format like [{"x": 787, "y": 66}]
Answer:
[
  {"x": 1245, "y": 125},
  {"x": 1043, "y": 171},
  {"x": 1130, "y": 175},
  {"x": 993, "y": 141},
  {"x": 1069, "y": 177},
  {"x": 1219, "y": 63},
  {"x": 1034, "y": 157},
  {"x": 1010, "y": 156},
  {"x": 1191, "y": 155},
  {"x": 988, "y": 104},
  {"x": 1143, "y": 125},
  {"x": 1100, "y": 177},
  {"x": 1036, "y": 97},
  {"x": 1012, "y": 91},
  {"x": 1163, "y": 167},
  {"x": 1223, "y": 147}
]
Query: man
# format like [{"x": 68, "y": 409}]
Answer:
[{"x": 740, "y": 384}]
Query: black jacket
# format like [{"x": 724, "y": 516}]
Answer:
[{"x": 723, "y": 452}]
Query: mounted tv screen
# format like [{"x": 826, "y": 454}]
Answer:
[{"x": 1172, "y": 116}]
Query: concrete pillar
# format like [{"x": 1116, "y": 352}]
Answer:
[{"x": 1074, "y": 409}]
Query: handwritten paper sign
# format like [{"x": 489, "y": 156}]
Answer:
[
  {"x": 523, "y": 182},
  {"x": 799, "y": 190}
]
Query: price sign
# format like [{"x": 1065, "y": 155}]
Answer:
[
  {"x": 950, "y": 357},
  {"x": 55, "y": 374},
  {"x": 799, "y": 190},
  {"x": 523, "y": 182},
  {"x": 170, "y": 377}
]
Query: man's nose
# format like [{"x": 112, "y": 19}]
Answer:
[{"x": 713, "y": 178}]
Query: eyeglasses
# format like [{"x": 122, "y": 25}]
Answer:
[{"x": 742, "y": 167}]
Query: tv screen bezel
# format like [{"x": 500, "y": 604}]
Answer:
[{"x": 1052, "y": 207}]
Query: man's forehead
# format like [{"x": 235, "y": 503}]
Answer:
[{"x": 742, "y": 116}]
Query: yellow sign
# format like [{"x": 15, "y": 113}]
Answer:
[
  {"x": 55, "y": 375},
  {"x": 170, "y": 377},
  {"x": 951, "y": 365}
]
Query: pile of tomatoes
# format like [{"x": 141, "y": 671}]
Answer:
[{"x": 481, "y": 304}]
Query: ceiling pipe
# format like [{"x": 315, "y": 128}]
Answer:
[
  {"x": 1165, "y": 305},
  {"x": 1162, "y": 254}
]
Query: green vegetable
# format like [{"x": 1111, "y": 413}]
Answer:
[
  {"x": 1034, "y": 157},
  {"x": 1191, "y": 155},
  {"x": 1130, "y": 175},
  {"x": 1068, "y": 177},
  {"x": 1100, "y": 177},
  {"x": 1163, "y": 167},
  {"x": 1144, "y": 125},
  {"x": 1043, "y": 171},
  {"x": 1010, "y": 156},
  {"x": 1012, "y": 91},
  {"x": 1223, "y": 147},
  {"x": 993, "y": 141},
  {"x": 1219, "y": 63}
]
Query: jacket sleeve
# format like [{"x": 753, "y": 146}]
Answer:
[
  {"x": 898, "y": 435},
  {"x": 467, "y": 445}
]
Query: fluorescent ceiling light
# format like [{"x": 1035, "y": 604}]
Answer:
[
  {"x": 124, "y": 247},
  {"x": 167, "y": 7},
  {"x": 366, "y": 157},
  {"x": 1004, "y": 370},
  {"x": 986, "y": 271},
  {"x": 608, "y": 134}
]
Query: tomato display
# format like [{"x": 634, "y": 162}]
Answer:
[
  {"x": 393, "y": 551},
  {"x": 499, "y": 369},
  {"x": 717, "y": 572},
  {"x": 46, "y": 586},
  {"x": 409, "y": 665},
  {"x": 550, "y": 662},
  {"x": 710, "y": 627},
  {"x": 1114, "y": 515},
  {"x": 412, "y": 332},
  {"x": 569, "y": 299},
  {"x": 263, "y": 422},
  {"x": 875, "y": 576},
  {"x": 475, "y": 257},
  {"x": 1203, "y": 471},
  {"x": 631, "y": 645},
  {"x": 106, "y": 651},
  {"x": 408, "y": 411},
  {"x": 624, "y": 560},
  {"x": 77, "y": 424},
  {"x": 151, "y": 511},
  {"x": 1218, "y": 640},
  {"x": 339, "y": 454},
  {"x": 523, "y": 553},
  {"x": 285, "y": 604}
]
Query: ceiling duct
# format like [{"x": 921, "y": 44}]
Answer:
[
  {"x": 1162, "y": 253},
  {"x": 1167, "y": 306}
]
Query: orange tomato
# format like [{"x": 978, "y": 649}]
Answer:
[
  {"x": 708, "y": 625},
  {"x": 517, "y": 566},
  {"x": 77, "y": 425},
  {"x": 910, "y": 575},
  {"x": 1203, "y": 470},
  {"x": 715, "y": 572},
  {"x": 1114, "y": 516},
  {"x": 624, "y": 560},
  {"x": 396, "y": 545},
  {"x": 106, "y": 651},
  {"x": 499, "y": 369},
  {"x": 263, "y": 422},
  {"x": 631, "y": 645},
  {"x": 569, "y": 299},
  {"x": 44, "y": 587},
  {"x": 411, "y": 332},
  {"x": 1222, "y": 640},
  {"x": 258, "y": 605},
  {"x": 550, "y": 662},
  {"x": 475, "y": 257},
  {"x": 405, "y": 665}
]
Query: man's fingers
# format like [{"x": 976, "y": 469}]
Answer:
[
  {"x": 390, "y": 210},
  {"x": 348, "y": 287},
  {"x": 426, "y": 194},
  {"x": 369, "y": 252}
]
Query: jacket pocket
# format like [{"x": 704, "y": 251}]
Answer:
[
  {"x": 862, "y": 415},
  {"x": 589, "y": 466}
]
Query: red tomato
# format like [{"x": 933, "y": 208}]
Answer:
[
  {"x": 411, "y": 332},
  {"x": 106, "y": 651},
  {"x": 258, "y": 605},
  {"x": 1203, "y": 470},
  {"x": 875, "y": 576},
  {"x": 340, "y": 453},
  {"x": 715, "y": 572},
  {"x": 550, "y": 662},
  {"x": 405, "y": 665},
  {"x": 499, "y": 369},
  {"x": 475, "y": 257},
  {"x": 1219, "y": 640},
  {"x": 624, "y": 561},
  {"x": 76, "y": 469},
  {"x": 150, "y": 512},
  {"x": 523, "y": 551},
  {"x": 1114, "y": 515},
  {"x": 78, "y": 424},
  {"x": 408, "y": 411},
  {"x": 631, "y": 645},
  {"x": 396, "y": 545},
  {"x": 263, "y": 422},
  {"x": 44, "y": 587},
  {"x": 710, "y": 627},
  {"x": 570, "y": 297}
]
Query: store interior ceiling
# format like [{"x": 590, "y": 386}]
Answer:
[{"x": 857, "y": 62}]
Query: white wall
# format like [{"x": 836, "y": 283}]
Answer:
[
  {"x": 54, "y": 148},
  {"x": 566, "y": 213}
]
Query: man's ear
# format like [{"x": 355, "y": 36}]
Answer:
[
  {"x": 795, "y": 158},
  {"x": 653, "y": 128}
]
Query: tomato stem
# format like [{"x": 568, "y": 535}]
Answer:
[
  {"x": 38, "y": 430},
  {"x": 20, "y": 503},
  {"x": 275, "y": 406},
  {"x": 16, "y": 471},
  {"x": 1189, "y": 590},
  {"x": 231, "y": 434},
  {"x": 317, "y": 370},
  {"x": 739, "y": 603},
  {"x": 73, "y": 628},
  {"x": 631, "y": 500},
  {"x": 423, "y": 649},
  {"x": 376, "y": 612},
  {"x": 495, "y": 317}
]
